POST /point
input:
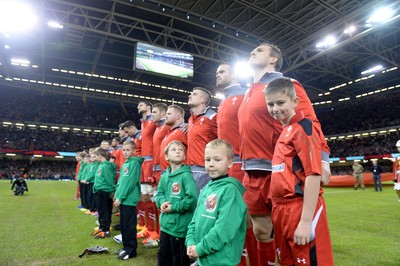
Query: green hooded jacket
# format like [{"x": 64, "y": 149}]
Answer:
[
  {"x": 81, "y": 172},
  {"x": 128, "y": 187},
  {"x": 104, "y": 179},
  {"x": 218, "y": 227},
  {"x": 90, "y": 172},
  {"x": 179, "y": 188}
]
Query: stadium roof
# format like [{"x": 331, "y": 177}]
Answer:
[{"x": 95, "y": 48}]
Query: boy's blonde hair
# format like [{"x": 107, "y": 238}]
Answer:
[
  {"x": 217, "y": 143},
  {"x": 130, "y": 142},
  {"x": 177, "y": 142},
  {"x": 282, "y": 85},
  {"x": 81, "y": 154},
  {"x": 102, "y": 152}
]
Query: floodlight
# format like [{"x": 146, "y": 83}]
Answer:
[
  {"x": 7, "y": 46},
  {"x": 380, "y": 15},
  {"x": 330, "y": 40},
  {"x": 243, "y": 70},
  {"x": 55, "y": 25},
  {"x": 18, "y": 61},
  {"x": 372, "y": 70},
  {"x": 350, "y": 30},
  {"x": 16, "y": 17}
]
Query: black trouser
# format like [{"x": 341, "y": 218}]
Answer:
[
  {"x": 91, "y": 198},
  {"x": 172, "y": 251},
  {"x": 104, "y": 207},
  {"x": 83, "y": 192},
  {"x": 19, "y": 190},
  {"x": 377, "y": 182},
  {"x": 128, "y": 221}
]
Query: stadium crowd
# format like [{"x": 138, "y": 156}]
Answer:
[
  {"x": 35, "y": 169},
  {"x": 37, "y": 139},
  {"x": 17, "y": 105},
  {"x": 376, "y": 111}
]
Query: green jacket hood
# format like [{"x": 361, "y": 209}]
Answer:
[
  {"x": 137, "y": 159},
  {"x": 226, "y": 181},
  {"x": 184, "y": 168}
]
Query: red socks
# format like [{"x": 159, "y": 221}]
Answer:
[
  {"x": 151, "y": 212},
  {"x": 251, "y": 246},
  {"x": 141, "y": 212},
  {"x": 266, "y": 253}
]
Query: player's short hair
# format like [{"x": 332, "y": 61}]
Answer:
[
  {"x": 130, "y": 142},
  {"x": 128, "y": 124},
  {"x": 117, "y": 139},
  {"x": 282, "y": 85},
  {"x": 120, "y": 126},
  {"x": 217, "y": 143},
  {"x": 206, "y": 93},
  {"x": 177, "y": 142},
  {"x": 146, "y": 103},
  {"x": 161, "y": 107},
  {"x": 105, "y": 141},
  {"x": 178, "y": 109},
  {"x": 275, "y": 51}
]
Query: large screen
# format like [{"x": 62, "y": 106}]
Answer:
[{"x": 163, "y": 61}]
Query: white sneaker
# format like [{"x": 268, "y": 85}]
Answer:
[{"x": 118, "y": 238}]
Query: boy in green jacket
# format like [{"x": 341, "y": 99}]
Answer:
[
  {"x": 91, "y": 170},
  {"x": 127, "y": 197},
  {"x": 82, "y": 187},
  {"x": 176, "y": 198},
  {"x": 104, "y": 185},
  {"x": 217, "y": 231}
]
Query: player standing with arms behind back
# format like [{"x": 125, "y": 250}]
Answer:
[
  {"x": 258, "y": 135},
  {"x": 299, "y": 212}
]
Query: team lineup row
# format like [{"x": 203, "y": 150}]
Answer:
[{"x": 279, "y": 155}]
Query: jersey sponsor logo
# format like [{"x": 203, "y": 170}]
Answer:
[
  {"x": 278, "y": 168},
  {"x": 201, "y": 120},
  {"x": 176, "y": 188},
  {"x": 211, "y": 203},
  {"x": 91, "y": 168},
  {"x": 126, "y": 170},
  {"x": 99, "y": 171}
]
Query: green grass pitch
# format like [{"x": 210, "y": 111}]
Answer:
[
  {"x": 165, "y": 68},
  {"x": 44, "y": 227}
]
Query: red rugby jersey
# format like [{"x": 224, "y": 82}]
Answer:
[
  {"x": 201, "y": 130},
  {"x": 258, "y": 130},
  {"x": 148, "y": 128},
  {"x": 297, "y": 155},
  {"x": 227, "y": 117},
  {"x": 158, "y": 137},
  {"x": 137, "y": 138},
  {"x": 173, "y": 134}
]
